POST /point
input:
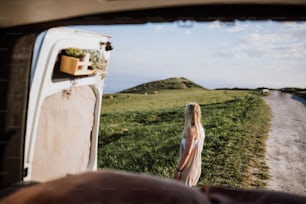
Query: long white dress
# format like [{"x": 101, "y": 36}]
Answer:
[{"x": 192, "y": 171}]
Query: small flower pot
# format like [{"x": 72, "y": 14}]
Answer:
[{"x": 74, "y": 66}]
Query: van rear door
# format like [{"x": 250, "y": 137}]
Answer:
[{"x": 64, "y": 103}]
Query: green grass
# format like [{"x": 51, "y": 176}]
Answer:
[
  {"x": 141, "y": 133},
  {"x": 165, "y": 99}
]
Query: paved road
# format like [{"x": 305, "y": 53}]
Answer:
[{"x": 286, "y": 144}]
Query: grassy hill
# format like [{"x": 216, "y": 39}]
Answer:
[
  {"x": 170, "y": 83},
  {"x": 141, "y": 133}
]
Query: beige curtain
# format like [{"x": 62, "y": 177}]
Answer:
[{"x": 64, "y": 134}]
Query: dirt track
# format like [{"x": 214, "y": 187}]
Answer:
[{"x": 286, "y": 144}]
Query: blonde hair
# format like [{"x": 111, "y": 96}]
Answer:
[{"x": 192, "y": 118}]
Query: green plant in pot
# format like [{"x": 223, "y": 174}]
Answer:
[
  {"x": 75, "y": 52},
  {"x": 92, "y": 58},
  {"x": 98, "y": 62}
]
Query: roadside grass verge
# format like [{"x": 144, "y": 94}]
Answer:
[{"x": 141, "y": 133}]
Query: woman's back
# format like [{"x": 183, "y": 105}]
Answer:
[
  {"x": 188, "y": 169},
  {"x": 192, "y": 171}
]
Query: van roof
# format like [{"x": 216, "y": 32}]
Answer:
[{"x": 18, "y": 13}]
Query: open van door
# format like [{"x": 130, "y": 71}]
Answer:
[{"x": 64, "y": 104}]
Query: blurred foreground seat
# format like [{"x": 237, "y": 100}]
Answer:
[{"x": 114, "y": 187}]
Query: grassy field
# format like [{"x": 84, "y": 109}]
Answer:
[{"x": 141, "y": 133}]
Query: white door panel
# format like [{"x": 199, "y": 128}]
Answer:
[{"x": 43, "y": 87}]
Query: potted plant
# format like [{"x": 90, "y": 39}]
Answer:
[
  {"x": 75, "y": 61},
  {"x": 98, "y": 62},
  {"x": 75, "y": 52}
]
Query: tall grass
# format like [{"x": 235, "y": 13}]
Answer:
[{"x": 141, "y": 133}]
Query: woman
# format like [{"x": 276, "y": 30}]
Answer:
[{"x": 188, "y": 169}]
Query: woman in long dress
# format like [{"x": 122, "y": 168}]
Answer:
[{"x": 188, "y": 169}]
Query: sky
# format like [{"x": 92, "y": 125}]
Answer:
[{"x": 244, "y": 54}]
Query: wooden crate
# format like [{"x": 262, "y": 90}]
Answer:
[{"x": 73, "y": 65}]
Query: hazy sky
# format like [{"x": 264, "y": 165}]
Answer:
[{"x": 246, "y": 54}]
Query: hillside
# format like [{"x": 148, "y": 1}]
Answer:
[
  {"x": 141, "y": 133},
  {"x": 170, "y": 83}
]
